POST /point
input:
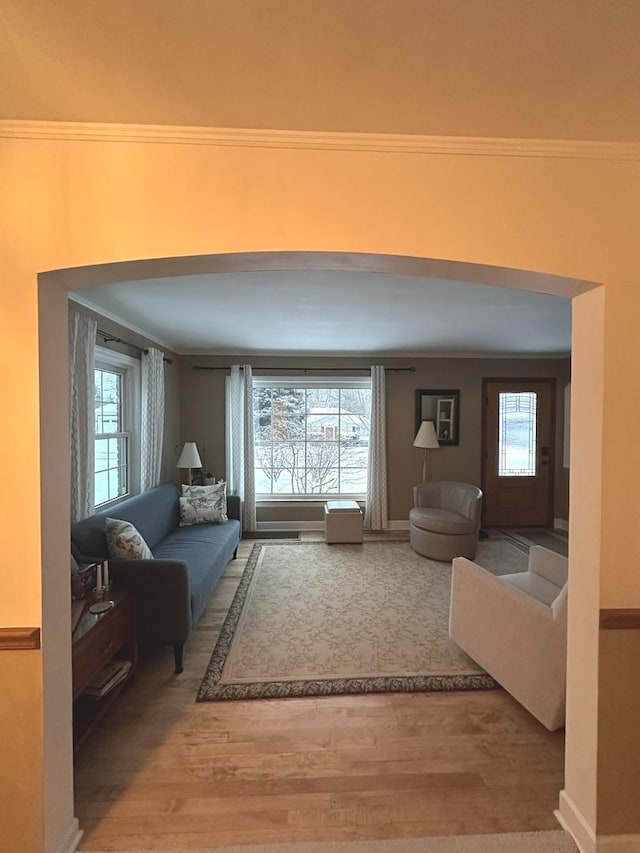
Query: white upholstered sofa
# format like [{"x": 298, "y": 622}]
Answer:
[{"x": 515, "y": 627}]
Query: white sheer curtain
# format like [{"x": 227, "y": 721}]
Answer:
[
  {"x": 376, "y": 514},
  {"x": 82, "y": 344},
  {"x": 151, "y": 418},
  {"x": 239, "y": 441}
]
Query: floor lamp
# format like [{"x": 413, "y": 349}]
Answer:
[
  {"x": 189, "y": 458},
  {"x": 426, "y": 438}
]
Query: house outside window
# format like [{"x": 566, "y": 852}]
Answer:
[
  {"x": 116, "y": 420},
  {"x": 311, "y": 437}
]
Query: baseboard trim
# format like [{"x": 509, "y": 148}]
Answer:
[
  {"x": 401, "y": 524},
  {"x": 561, "y": 524},
  {"x": 572, "y": 821},
  {"x": 70, "y": 842}
]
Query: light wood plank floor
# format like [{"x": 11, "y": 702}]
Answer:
[{"x": 163, "y": 772}]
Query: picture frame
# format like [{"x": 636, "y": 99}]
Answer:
[
  {"x": 445, "y": 418},
  {"x": 442, "y": 407}
]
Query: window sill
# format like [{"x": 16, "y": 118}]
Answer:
[
  {"x": 273, "y": 500},
  {"x": 113, "y": 502}
]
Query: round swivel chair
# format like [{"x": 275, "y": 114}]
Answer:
[{"x": 445, "y": 520}]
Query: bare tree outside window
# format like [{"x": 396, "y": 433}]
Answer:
[{"x": 311, "y": 441}]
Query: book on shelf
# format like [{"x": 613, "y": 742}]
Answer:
[{"x": 111, "y": 674}]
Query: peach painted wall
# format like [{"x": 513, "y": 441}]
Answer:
[
  {"x": 401, "y": 66},
  {"x": 69, "y": 203}
]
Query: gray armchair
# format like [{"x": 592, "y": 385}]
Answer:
[{"x": 445, "y": 520}]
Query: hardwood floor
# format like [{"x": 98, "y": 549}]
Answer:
[{"x": 163, "y": 772}]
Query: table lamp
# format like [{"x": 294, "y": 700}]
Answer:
[{"x": 189, "y": 458}]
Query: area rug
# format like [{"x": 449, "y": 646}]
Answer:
[
  {"x": 311, "y": 619},
  {"x": 512, "y": 842}
]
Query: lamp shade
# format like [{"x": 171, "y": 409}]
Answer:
[
  {"x": 189, "y": 458},
  {"x": 426, "y": 436}
]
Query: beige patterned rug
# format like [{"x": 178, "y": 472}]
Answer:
[{"x": 311, "y": 619}]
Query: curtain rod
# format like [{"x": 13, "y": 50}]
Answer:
[
  {"x": 306, "y": 369},
  {"x": 108, "y": 338}
]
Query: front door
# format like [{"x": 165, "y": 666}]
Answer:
[{"x": 517, "y": 453}]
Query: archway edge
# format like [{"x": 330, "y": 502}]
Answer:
[{"x": 95, "y": 275}]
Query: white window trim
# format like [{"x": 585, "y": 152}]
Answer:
[
  {"x": 328, "y": 381},
  {"x": 312, "y": 381},
  {"x": 130, "y": 367}
]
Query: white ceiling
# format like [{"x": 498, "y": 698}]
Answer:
[{"x": 336, "y": 313}]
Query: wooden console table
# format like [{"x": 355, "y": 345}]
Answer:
[{"x": 96, "y": 640}]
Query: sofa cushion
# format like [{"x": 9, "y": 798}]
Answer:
[
  {"x": 441, "y": 520},
  {"x": 200, "y": 504},
  {"x": 533, "y": 585},
  {"x": 202, "y": 547},
  {"x": 213, "y": 490},
  {"x": 154, "y": 514},
  {"x": 124, "y": 541}
]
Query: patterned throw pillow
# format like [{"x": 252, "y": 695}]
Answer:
[
  {"x": 124, "y": 541},
  {"x": 203, "y": 504}
]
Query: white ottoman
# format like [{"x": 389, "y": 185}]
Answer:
[{"x": 342, "y": 521}]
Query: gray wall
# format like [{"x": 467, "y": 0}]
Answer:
[
  {"x": 195, "y": 411},
  {"x": 203, "y": 418}
]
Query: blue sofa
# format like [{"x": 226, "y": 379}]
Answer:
[{"x": 172, "y": 590}]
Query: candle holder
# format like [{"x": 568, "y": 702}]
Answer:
[{"x": 103, "y": 581}]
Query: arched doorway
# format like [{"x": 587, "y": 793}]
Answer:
[{"x": 54, "y": 285}]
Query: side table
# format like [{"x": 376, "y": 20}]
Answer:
[
  {"x": 96, "y": 640},
  {"x": 342, "y": 522}
]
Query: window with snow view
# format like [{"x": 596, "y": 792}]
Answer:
[{"x": 311, "y": 438}]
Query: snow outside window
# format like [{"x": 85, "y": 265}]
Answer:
[
  {"x": 116, "y": 416},
  {"x": 311, "y": 437}
]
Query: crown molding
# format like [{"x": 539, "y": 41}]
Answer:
[
  {"x": 318, "y": 140},
  {"x": 121, "y": 321}
]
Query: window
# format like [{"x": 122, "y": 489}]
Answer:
[
  {"x": 115, "y": 416},
  {"x": 311, "y": 437},
  {"x": 517, "y": 434}
]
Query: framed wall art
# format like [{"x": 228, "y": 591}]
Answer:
[{"x": 442, "y": 406}]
